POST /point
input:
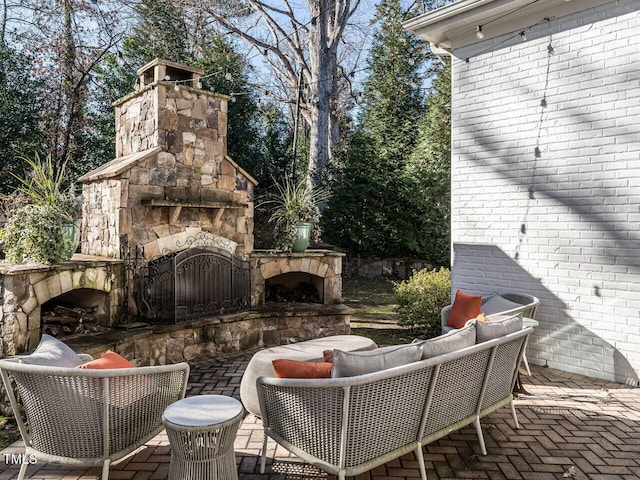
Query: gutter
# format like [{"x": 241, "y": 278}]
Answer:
[{"x": 444, "y": 13}]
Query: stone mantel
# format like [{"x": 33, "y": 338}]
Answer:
[
  {"x": 86, "y": 261},
  {"x": 307, "y": 253}
]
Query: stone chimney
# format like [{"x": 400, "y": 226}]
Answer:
[{"x": 172, "y": 184}]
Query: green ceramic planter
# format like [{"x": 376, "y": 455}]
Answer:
[
  {"x": 302, "y": 241},
  {"x": 72, "y": 231}
]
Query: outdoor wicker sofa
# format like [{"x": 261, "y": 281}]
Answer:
[
  {"x": 500, "y": 304},
  {"x": 89, "y": 417},
  {"x": 513, "y": 303},
  {"x": 347, "y": 426}
]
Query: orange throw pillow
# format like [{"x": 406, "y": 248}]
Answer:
[
  {"x": 284, "y": 368},
  {"x": 108, "y": 360},
  {"x": 482, "y": 318},
  {"x": 465, "y": 307}
]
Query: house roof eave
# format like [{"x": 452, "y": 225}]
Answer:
[{"x": 454, "y": 25}]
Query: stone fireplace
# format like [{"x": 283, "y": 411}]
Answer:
[
  {"x": 25, "y": 289},
  {"x": 172, "y": 179},
  {"x": 173, "y": 207}
]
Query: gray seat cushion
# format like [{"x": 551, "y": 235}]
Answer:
[
  {"x": 498, "y": 327},
  {"x": 497, "y": 304}
]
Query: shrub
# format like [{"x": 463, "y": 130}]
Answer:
[
  {"x": 36, "y": 234},
  {"x": 420, "y": 300}
]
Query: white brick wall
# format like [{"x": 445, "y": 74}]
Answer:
[{"x": 564, "y": 223}]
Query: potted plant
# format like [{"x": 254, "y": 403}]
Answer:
[
  {"x": 295, "y": 214},
  {"x": 47, "y": 229}
]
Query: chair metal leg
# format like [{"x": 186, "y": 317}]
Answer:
[
  {"x": 263, "y": 459},
  {"x": 105, "y": 469},
  {"x": 526, "y": 364},
  {"x": 23, "y": 469},
  {"x": 420, "y": 457},
  {"x": 515, "y": 415},
  {"x": 480, "y": 436}
]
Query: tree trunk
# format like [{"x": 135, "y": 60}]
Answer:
[
  {"x": 323, "y": 126},
  {"x": 3, "y": 27},
  {"x": 68, "y": 81}
]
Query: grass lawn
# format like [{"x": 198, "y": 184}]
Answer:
[{"x": 373, "y": 302}]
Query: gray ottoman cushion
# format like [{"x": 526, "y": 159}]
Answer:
[{"x": 309, "y": 351}]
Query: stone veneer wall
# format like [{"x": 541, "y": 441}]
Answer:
[
  {"x": 205, "y": 339},
  {"x": 171, "y": 147},
  {"x": 24, "y": 289},
  {"x": 326, "y": 264},
  {"x": 136, "y": 126},
  {"x": 100, "y": 232},
  {"x": 393, "y": 268}
]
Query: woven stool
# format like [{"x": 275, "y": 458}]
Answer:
[{"x": 201, "y": 431}]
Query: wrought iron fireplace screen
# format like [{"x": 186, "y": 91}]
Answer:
[{"x": 192, "y": 284}]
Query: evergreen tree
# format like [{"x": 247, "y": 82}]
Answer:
[
  {"x": 160, "y": 33},
  {"x": 19, "y": 115},
  {"x": 369, "y": 211},
  {"x": 428, "y": 173}
]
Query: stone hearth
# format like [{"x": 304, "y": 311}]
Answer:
[{"x": 264, "y": 326}]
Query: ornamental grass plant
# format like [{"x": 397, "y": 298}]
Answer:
[
  {"x": 38, "y": 232},
  {"x": 293, "y": 203}
]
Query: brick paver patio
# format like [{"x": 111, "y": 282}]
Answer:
[{"x": 572, "y": 427}]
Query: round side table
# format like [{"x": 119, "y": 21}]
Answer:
[{"x": 201, "y": 432}]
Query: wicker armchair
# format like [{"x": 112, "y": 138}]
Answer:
[{"x": 89, "y": 417}]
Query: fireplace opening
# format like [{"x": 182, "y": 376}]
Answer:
[
  {"x": 294, "y": 287},
  {"x": 83, "y": 310}
]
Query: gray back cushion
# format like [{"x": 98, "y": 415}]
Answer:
[
  {"x": 350, "y": 364},
  {"x": 449, "y": 342},
  {"x": 498, "y": 327},
  {"x": 52, "y": 352},
  {"x": 498, "y": 304}
]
